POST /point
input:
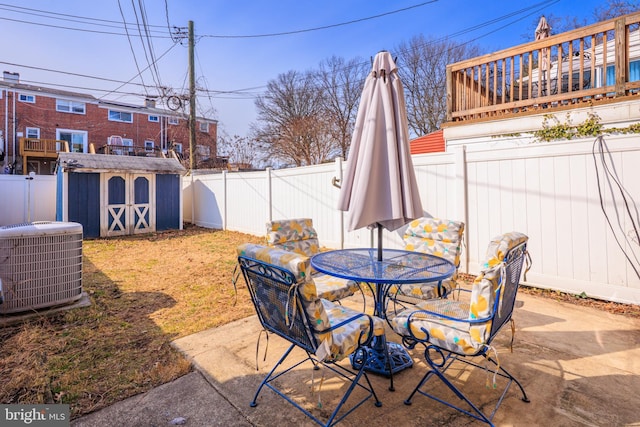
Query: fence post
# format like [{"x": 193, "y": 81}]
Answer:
[
  {"x": 462, "y": 199},
  {"x": 338, "y": 178},
  {"x": 224, "y": 200},
  {"x": 269, "y": 196}
]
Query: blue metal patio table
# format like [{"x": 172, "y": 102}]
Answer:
[{"x": 397, "y": 267}]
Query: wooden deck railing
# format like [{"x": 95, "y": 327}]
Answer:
[
  {"x": 590, "y": 64},
  {"x": 36, "y": 147},
  {"x": 40, "y": 148}
]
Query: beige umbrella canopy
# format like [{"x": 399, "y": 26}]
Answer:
[
  {"x": 543, "y": 30},
  {"x": 379, "y": 188}
]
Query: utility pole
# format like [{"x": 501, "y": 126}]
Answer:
[{"x": 192, "y": 99}]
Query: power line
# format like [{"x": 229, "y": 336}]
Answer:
[
  {"x": 249, "y": 93},
  {"x": 133, "y": 52},
  {"x": 324, "y": 27},
  {"x": 129, "y": 81},
  {"x": 43, "y": 12}
]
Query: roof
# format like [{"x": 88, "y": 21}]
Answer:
[
  {"x": 107, "y": 162},
  {"x": 431, "y": 143},
  {"x": 32, "y": 89},
  {"x": 44, "y": 90}
]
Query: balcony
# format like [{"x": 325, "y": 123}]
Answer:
[
  {"x": 40, "y": 149},
  {"x": 36, "y": 147},
  {"x": 595, "y": 64}
]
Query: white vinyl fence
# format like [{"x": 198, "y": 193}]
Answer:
[
  {"x": 551, "y": 191},
  {"x": 23, "y": 199},
  {"x": 548, "y": 191}
]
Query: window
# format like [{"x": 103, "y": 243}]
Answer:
[
  {"x": 120, "y": 116},
  {"x": 149, "y": 146},
  {"x": 154, "y": 119},
  {"x": 77, "y": 139},
  {"x": 172, "y": 120},
  {"x": 33, "y": 133},
  {"x": 127, "y": 145},
  {"x": 27, "y": 98},
  {"x": 204, "y": 127},
  {"x": 203, "y": 151},
  {"x": 177, "y": 147},
  {"x": 67, "y": 106}
]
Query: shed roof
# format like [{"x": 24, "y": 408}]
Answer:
[{"x": 107, "y": 162}]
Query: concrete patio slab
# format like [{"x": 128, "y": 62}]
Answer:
[{"x": 579, "y": 366}]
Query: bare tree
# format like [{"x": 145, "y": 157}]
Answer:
[
  {"x": 244, "y": 151},
  {"x": 422, "y": 65},
  {"x": 607, "y": 10},
  {"x": 341, "y": 82},
  {"x": 614, "y": 8},
  {"x": 291, "y": 121}
]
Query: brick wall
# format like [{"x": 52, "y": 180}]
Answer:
[{"x": 43, "y": 115}]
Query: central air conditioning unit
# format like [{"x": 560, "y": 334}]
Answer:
[{"x": 40, "y": 265}]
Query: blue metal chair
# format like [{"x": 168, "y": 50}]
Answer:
[
  {"x": 458, "y": 330},
  {"x": 286, "y": 301}
]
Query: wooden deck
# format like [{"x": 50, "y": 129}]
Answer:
[{"x": 597, "y": 63}]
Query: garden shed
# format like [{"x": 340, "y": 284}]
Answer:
[{"x": 119, "y": 195}]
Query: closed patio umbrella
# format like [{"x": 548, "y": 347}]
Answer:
[
  {"x": 379, "y": 188},
  {"x": 543, "y": 30}
]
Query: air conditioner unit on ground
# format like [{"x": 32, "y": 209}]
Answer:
[{"x": 40, "y": 265}]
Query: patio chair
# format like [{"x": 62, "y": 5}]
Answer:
[
  {"x": 299, "y": 236},
  {"x": 287, "y": 304},
  {"x": 452, "y": 330},
  {"x": 435, "y": 236}
]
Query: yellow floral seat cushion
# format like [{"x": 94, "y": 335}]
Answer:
[
  {"x": 294, "y": 235},
  {"x": 322, "y": 314},
  {"x": 461, "y": 335},
  {"x": 333, "y": 288},
  {"x": 499, "y": 247},
  {"x": 345, "y": 338},
  {"x": 299, "y": 236},
  {"x": 468, "y": 334},
  {"x": 439, "y": 237}
]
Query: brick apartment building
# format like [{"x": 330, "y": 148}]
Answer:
[{"x": 41, "y": 117}]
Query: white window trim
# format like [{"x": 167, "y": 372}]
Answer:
[
  {"x": 172, "y": 120},
  {"x": 26, "y": 98},
  {"x": 70, "y": 104},
  {"x": 119, "y": 120},
  {"x": 154, "y": 118},
  {"x": 85, "y": 137},
  {"x": 204, "y": 127},
  {"x": 147, "y": 148},
  {"x": 37, "y": 131},
  {"x": 177, "y": 147}
]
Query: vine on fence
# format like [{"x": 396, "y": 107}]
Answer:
[{"x": 553, "y": 129}]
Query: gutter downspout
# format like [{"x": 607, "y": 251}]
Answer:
[
  {"x": 6, "y": 127},
  {"x": 13, "y": 119}
]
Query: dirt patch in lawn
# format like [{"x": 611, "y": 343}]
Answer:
[{"x": 145, "y": 291}]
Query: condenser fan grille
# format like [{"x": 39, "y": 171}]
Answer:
[{"x": 40, "y": 265}]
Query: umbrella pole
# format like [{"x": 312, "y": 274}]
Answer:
[{"x": 379, "y": 242}]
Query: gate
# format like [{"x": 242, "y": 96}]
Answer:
[{"x": 129, "y": 204}]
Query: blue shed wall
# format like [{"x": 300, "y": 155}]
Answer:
[
  {"x": 84, "y": 202},
  {"x": 168, "y": 202}
]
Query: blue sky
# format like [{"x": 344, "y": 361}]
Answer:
[{"x": 230, "y": 64}]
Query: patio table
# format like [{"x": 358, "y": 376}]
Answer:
[{"x": 397, "y": 267}]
